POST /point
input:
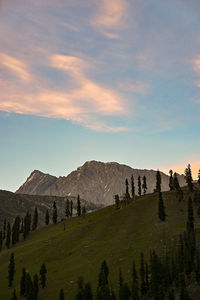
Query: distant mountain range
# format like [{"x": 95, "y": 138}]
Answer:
[{"x": 96, "y": 182}]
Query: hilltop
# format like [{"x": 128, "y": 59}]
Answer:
[
  {"x": 114, "y": 235},
  {"x": 95, "y": 181}
]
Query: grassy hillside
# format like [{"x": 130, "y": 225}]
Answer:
[
  {"x": 114, "y": 235},
  {"x": 12, "y": 204}
]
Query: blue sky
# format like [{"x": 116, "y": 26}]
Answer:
[{"x": 105, "y": 80}]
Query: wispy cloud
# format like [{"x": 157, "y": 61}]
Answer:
[
  {"x": 17, "y": 67},
  {"x": 110, "y": 17},
  {"x": 134, "y": 86}
]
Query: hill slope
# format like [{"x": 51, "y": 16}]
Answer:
[
  {"x": 96, "y": 182},
  {"x": 114, "y": 235}
]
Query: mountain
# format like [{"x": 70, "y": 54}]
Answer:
[
  {"x": 12, "y": 205},
  {"x": 97, "y": 182},
  {"x": 117, "y": 236}
]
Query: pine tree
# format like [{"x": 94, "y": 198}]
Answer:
[
  {"x": 142, "y": 275},
  {"x": 43, "y": 272},
  {"x": 47, "y": 217},
  {"x": 29, "y": 292},
  {"x": 8, "y": 235},
  {"x": 139, "y": 186},
  {"x": 14, "y": 295},
  {"x": 4, "y": 229},
  {"x": 78, "y": 206},
  {"x": 161, "y": 208},
  {"x": 158, "y": 181},
  {"x": 190, "y": 221},
  {"x": 117, "y": 201},
  {"x": 80, "y": 291},
  {"x": 1, "y": 240},
  {"x": 198, "y": 181},
  {"x": 61, "y": 297},
  {"x": 127, "y": 188},
  {"x": 87, "y": 293},
  {"x": 144, "y": 185},
  {"x": 67, "y": 209},
  {"x": 23, "y": 283},
  {"x": 11, "y": 270},
  {"x": 35, "y": 219},
  {"x": 71, "y": 208},
  {"x": 132, "y": 187},
  {"x": 171, "y": 180},
  {"x": 27, "y": 225},
  {"x": 103, "y": 290},
  {"x": 121, "y": 283},
  {"x": 135, "y": 286},
  {"x": 35, "y": 286},
  {"x": 176, "y": 182},
  {"x": 188, "y": 178},
  {"x": 55, "y": 214}
]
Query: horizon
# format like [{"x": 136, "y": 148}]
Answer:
[{"x": 107, "y": 81}]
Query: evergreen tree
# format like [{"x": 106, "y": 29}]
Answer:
[
  {"x": 55, "y": 214},
  {"x": 188, "y": 178},
  {"x": 78, "y": 206},
  {"x": 8, "y": 235},
  {"x": 117, "y": 202},
  {"x": 23, "y": 283},
  {"x": 11, "y": 270},
  {"x": 161, "y": 208},
  {"x": 144, "y": 185},
  {"x": 127, "y": 188},
  {"x": 158, "y": 181},
  {"x": 35, "y": 286},
  {"x": 4, "y": 229},
  {"x": 43, "y": 272},
  {"x": 126, "y": 294},
  {"x": 132, "y": 187},
  {"x": 139, "y": 186},
  {"x": 171, "y": 180},
  {"x": 29, "y": 292},
  {"x": 67, "y": 209},
  {"x": 35, "y": 219},
  {"x": 27, "y": 225},
  {"x": 80, "y": 291},
  {"x": 142, "y": 275},
  {"x": 22, "y": 226},
  {"x": 147, "y": 276},
  {"x": 71, "y": 208},
  {"x": 176, "y": 182},
  {"x": 103, "y": 291},
  {"x": 198, "y": 178},
  {"x": 1, "y": 240},
  {"x": 190, "y": 218},
  {"x": 14, "y": 295},
  {"x": 87, "y": 294},
  {"x": 61, "y": 297},
  {"x": 135, "y": 286},
  {"x": 47, "y": 217}
]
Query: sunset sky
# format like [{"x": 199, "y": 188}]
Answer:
[{"x": 106, "y": 80}]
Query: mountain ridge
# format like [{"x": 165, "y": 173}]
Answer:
[{"x": 95, "y": 181}]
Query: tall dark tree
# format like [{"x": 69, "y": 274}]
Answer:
[
  {"x": 161, "y": 208},
  {"x": 158, "y": 181},
  {"x": 14, "y": 295},
  {"x": 190, "y": 219},
  {"x": 27, "y": 225},
  {"x": 8, "y": 235},
  {"x": 139, "y": 186},
  {"x": 132, "y": 187},
  {"x": 135, "y": 285},
  {"x": 1, "y": 240},
  {"x": 188, "y": 178},
  {"x": 4, "y": 229},
  {"x": 176, "y": 182},
  {"x": 198, "y": 178},
  {"x": 142, "y": 275},
  {"x": 71, "y": 208},
  {"x": 121, "y": 283},
  {"x": 87, "y": 293},
  {"x": 29, "y": 292},
  {"x": 78, "y": 206},
  {"x": 16, "y": 230},
  {"x": 47, "y": 217},
  {"x": 23, "y": 283},
  {"x": 103, "y": 290},
  {"x": 171, "y": 180},
  {"x": 80, "y": 291},
  {"x": 67, "y": 209},
  {"x": 55, "y": 213},
  {"x": 117, "y": 202},
  {"x": 35, "y": 219},
  {"x": 127, "y": 186},
  {"x": 144, "y": 185},
  {"x": 11, "y": 270},
  {"x": 61, "y": 296},
  {"x": 43, "y": 272},
  {"x": 35, "y": 286}
]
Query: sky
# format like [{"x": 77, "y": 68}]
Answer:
[{"x": 98, "y": 80}]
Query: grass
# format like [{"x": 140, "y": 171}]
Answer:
[{"x": 117, "y": 236}]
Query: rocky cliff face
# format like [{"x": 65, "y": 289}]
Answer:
[{"x": 96, "y": 182}]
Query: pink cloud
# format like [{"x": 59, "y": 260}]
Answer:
[
  {"x": 134, "y": 86},
  {"x": 17, "y": 67}
]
